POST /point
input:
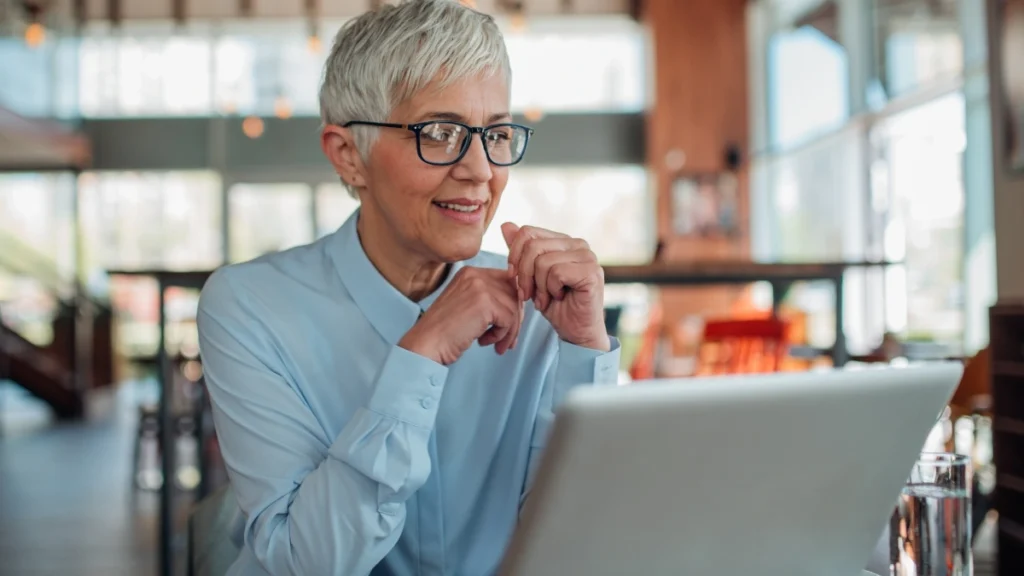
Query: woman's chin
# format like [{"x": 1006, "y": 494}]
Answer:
[{"x": 460, "y": 249}]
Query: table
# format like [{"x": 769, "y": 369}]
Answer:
[
  {"x": 167, "y": 279},
  {"x": 780, "y": 275}
]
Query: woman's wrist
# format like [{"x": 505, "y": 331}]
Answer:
[
  {"x": 601, "y": 343},
  {"x": 413, "y": 342}
]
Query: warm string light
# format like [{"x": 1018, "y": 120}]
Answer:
[
  {"x": 35, "y": 35},
  {"x": 314, "y": 44},
  {"x": 282, "y": 108},
  {"x": 313, "y": 23},
  {"x": 252, "y": 127},
  {"x": 517, "y": 22},
  {"x": 533, "y": 114},
  {"x": 516, "y": 11}
]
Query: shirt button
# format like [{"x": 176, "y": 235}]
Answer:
[
  {"x": 427, "y": 403},
  {"x": 435, "y": 381}
]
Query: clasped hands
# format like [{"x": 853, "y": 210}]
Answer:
[{"x": 558, "y": 273}]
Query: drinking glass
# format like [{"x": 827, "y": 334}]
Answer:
[{"x": 930, "y": 530}]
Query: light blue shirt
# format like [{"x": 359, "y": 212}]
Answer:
[{"x": 350, "y": 455}]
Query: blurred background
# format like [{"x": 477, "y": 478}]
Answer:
[{"x": 771, "y": 185}]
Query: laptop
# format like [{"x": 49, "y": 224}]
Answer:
[{"x": 772, "y": 475}]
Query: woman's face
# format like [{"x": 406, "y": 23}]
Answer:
[{"x": 407, "y": 196}]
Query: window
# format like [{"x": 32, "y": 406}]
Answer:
[
  {"x": 249, "y": 67},
  {"x": 37, "y": 218},
  {"x": 145, "y": 71},
  {"x": 36, "y": 251},
  {"x": 259, "y": 64},
  {"x": 609, "y": 207},
  {"x": 28, "y": 307},
  {"x": 808, "y": 86},
  {"x": 578, "y": 65},
  {"x": 35, "y": 81},
  {"x": 812, "y": 205},
  {"x": 919, "y": 179},
  {"x": 267, "y": 218},
  {"x": 150, "y": 220},
  {"x": 917, "y": 42},
  {"x": 815, "y": 198}
]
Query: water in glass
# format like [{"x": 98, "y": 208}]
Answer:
[{"x": 931, "y": 532}]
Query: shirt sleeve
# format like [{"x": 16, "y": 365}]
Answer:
[
  {"x": 313, "y": 505},
  {"x": 573, "y": 366}
]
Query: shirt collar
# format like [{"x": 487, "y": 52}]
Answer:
[{"x": 387, "y": 309}]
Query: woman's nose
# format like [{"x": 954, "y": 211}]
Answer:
[{"x": 475, "y": 165}]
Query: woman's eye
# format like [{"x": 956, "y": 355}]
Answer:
[{"x": 441, "y": 133}]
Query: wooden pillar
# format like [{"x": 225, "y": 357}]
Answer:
[{"x": 700, "y": 109}]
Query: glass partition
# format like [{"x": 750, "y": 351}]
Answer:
[
  {"x": 612, "y": 208},
  {"x": 149, "y": 220},
  {"x": 266, "y": 218}
]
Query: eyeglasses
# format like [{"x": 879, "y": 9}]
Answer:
[{"x": 445, "y": 143}]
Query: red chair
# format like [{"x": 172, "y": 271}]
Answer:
[{"x": 746, "y": 346}]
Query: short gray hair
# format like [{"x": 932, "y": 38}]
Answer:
[{"x": 387, "y": 55}]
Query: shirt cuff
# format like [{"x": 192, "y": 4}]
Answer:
[
  {"x": 578, "y": 365},
  {"x": 409, "y": 388}
]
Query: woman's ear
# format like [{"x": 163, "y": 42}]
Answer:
[{"x": 339, "y": 147}]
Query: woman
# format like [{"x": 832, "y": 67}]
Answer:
[{"x": 382, "y": 396}]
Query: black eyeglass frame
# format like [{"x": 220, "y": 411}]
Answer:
[{"x": 418, "y": 127}]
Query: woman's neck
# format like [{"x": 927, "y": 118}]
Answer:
[{"x": 413, "y": 275}]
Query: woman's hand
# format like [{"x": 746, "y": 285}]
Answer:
[
  {"x": 478, "y": 304},
  {"x": 562, "y": 277}
]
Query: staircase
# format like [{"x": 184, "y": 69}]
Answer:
[
  {"x": 79, "y": 356},
  {"x": 40, "y": 373}
]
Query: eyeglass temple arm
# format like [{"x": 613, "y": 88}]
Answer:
[{"x": 378, "y": 124}]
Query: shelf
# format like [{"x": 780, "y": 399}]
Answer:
[
  {"x": 1006, "y": 337},
  {"x": 1008, "y": 425},
  {"x": 1008, "y": 368},
  {"x": 1012, "y": 529},
  {"x": 1011, "y": 482}
]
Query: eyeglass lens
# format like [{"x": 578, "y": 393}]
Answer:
[{"x": 445, "y": 143}]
